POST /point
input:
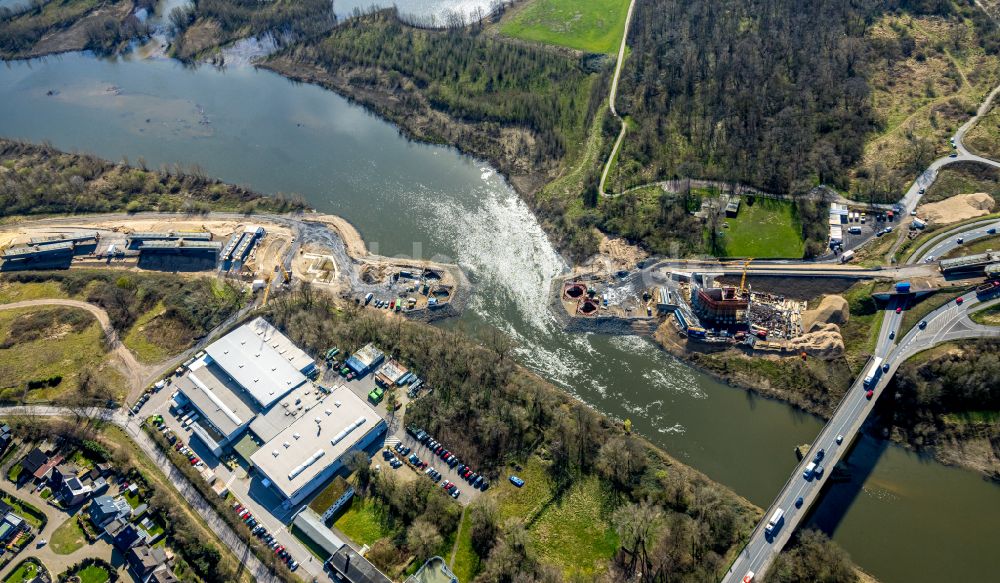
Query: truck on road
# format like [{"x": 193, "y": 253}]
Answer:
[
  {"x": 874, "y": 370},
  {"x": 774, "y": 524}
]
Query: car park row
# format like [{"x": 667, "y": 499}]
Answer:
[{"x": 464, "y": 471}]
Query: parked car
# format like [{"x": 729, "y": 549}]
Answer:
[{"x": 516, "y": 481}]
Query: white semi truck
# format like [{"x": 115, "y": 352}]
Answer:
[{"x": 874, "y": 370}]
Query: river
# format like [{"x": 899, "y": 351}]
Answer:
[{"x": 902, "y": 517}]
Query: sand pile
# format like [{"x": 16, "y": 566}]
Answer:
[
  {"x": 833, "y": 309},
  {"x": 957, "y": 208},
  {"x": 825, "y": 342}
]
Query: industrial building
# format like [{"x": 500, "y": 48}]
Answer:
[
  {"x": 57, "y": 255},
  {"x": 253, "y": 382},
  {"x": 316, "y": 445},
  {"x": 239, "y": 378},
  {"x": 365, "y": 360}
]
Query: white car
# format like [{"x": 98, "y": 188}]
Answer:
[
  {"x": 840, "y": 439},
  {"x": 928, "y": 259},
  {"x": 748, "y": 578}
]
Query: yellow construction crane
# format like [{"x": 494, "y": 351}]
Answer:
[
  {"x": 743, "y": 280},
  {"x": 287, "y": 274}
]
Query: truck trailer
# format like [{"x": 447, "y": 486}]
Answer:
[{"x": 874, "y": 370}]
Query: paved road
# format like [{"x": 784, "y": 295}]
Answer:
[
  {"x": 950, "y": 322},
  {"x": 180, "y": 482},
  {"x": 947, "y": 241}
]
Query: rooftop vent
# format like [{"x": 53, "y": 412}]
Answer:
[
  {"x": 287, "y": 445},
  {"x": 296, "y": 435},
  {"x": 329, "y": 412},
  {"x": 337, "y": 403},
  {"x": 274, "y": 453}
]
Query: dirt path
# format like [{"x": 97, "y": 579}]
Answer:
[
  {"x": 133, "y": 370},
  {"x": 611, "y": 98}
]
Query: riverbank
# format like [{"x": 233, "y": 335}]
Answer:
[{"x": 103, "y": 26}]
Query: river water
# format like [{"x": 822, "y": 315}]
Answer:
[{"x": 902, "y": 518}]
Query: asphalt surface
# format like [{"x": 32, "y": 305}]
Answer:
[
  {"x": 948, "y": 241},
  {"x": 949, "y": 322}
]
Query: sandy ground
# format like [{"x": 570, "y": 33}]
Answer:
[
  {"x": 833, "y": 309},
  {"x": 957, "y": 208},
  {"x": 352, "y": 238}
]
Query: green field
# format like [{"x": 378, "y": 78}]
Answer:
[
  {"x": 594, "y": 26},
  {"x": 767, "y": 228},
  {"x": 93, "y": 574},
  {"x": 70, "y": 339},
  {"x": 363, "y": 521},
  {"x": 466, "y": 564},
  {"x": 68, "y": 538},
  {"x": 572, "y": 532},
  {"x": 27, "y": 571}
]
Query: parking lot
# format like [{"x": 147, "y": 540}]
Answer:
[{"x": 262, "y": 502}]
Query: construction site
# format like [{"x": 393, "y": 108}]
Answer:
[
  {"x": 268, "y": 253},
  {"x": 696, "y": 304}
]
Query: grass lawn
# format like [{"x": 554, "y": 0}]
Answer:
[
  {"x": 988, "y": 316},
  {"x": 767, "y": 228},
  {"x": 68, "y": 538},
  {"x": 594, "y": 26},
  {"x": 66, "y": 352},
  {"x": 466, "y": 564},
  {"x": 573, "y": 532},
  {"x": 26, "y": 572},
  {"x": 522, "y": 503},
  {"x": 139, "y": 341},
  {"x": 93, "y": 574},
  {"x": 363, "y": 521}
]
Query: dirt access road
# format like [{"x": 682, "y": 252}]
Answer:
[{"x": 130, "y": 367}]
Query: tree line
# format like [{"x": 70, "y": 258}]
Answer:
[
  {"x": 39, "y": 179},
  {"x": 470, "y": 76},
  {"x": 673, "y": 523}
]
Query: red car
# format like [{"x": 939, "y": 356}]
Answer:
[
  {"x": 869, "y": 394},
  {"x": 959, "y": 300},
  {"x": 899, "y": 310}
]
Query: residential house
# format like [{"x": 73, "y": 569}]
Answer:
[
  {"x": 6, "y": 437},
  {"x": 143, "y": 560},
  {"x": 74, "y": 492},
  {"x": 60, "y": 474},
  {"x": 128, "y": 537},
  {"x": 104, "y": 509},
  {"x": 11, "y": 525},
  {"x": 33, "y": 462},
  {"x": 163, "y": 575}
]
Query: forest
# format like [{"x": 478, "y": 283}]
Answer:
[
  {"x": 208, "y": 24},
  {"x": 106, "y": 25},
  {"x": 521, "y": 106},
  {"x": 770, "y": 93},
  {"x": 673, "y": 523},
  {"x": 39, "y": 179},
  {"x": 952, "y": 393}
]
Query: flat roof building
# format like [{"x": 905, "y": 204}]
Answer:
[
  {"x": 262, "y": 360},
  {"x": 365, "y": 360},
  {"x": 310, "y": 450}
]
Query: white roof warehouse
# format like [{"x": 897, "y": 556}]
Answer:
[{"x": 316, "y": 445}]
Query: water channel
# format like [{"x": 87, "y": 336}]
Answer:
[{"x": 902, "y": 517}]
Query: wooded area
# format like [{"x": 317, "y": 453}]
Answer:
[
  {"x": 38, "y": 179},
  {"x": 674, "y": 524},
  {"x": 518, "y": 105}
]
